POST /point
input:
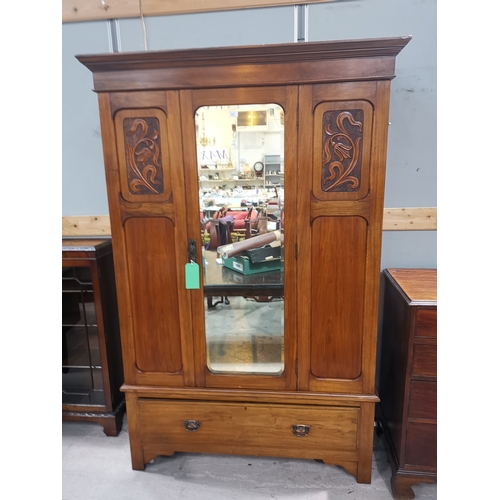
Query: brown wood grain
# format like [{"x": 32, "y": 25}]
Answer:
[
  {"x": 338, "y": 277},
  {"x": 152, "y": 124},
  {"x": 376, "y": 53},
  {"x": 116, "y": 228},
  {"x": 236, "y": 395},
  {"x": 423, "y": 220},
  {"x": 243, "y": 75},
  {"x": 358, "y": 153},
  {"x": 420, "y": 285},
  {"x": 153, "y": 283},
  {"x": 426, "y": 323},
  {"x": 134, "y": 428},
  {"x": 96, "y": 256},
  {"x": 425, "y": 360},
  {"x": 421, "y": 447},
  {"x": 423, "y": 400},
  {"x": 94, "y": 10},
  {"x": 178, "y": 179},
  {"x": 248, "y": 428},
  {"x": 303, "y": 243},
  {"x": 332, "y": 253},
  {"x": 408, "y": 383}
]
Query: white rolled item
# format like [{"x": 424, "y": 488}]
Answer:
[{"x": 227, "y": 251}]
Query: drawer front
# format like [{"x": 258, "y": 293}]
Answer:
[
  {"x": 423, "y": 400},
  {"x": 247, "y": 428},
  {"x": 421, "y": 445},
  {"x": 426, "y": 323},
  {"x": 425, "y": 360}
]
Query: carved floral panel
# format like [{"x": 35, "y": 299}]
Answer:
[
  {"x": 342, "y": 145},
  {"x": 143, "y": 155}
]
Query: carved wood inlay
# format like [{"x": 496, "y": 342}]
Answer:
[
  {"x": 342, "y": 140},
  {"x": 142, "y": 148}
]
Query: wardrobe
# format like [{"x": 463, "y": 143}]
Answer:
[{"x": 316, "y": 398}]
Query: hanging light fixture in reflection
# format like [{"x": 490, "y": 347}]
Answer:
[{"x": 204, "y": 140}]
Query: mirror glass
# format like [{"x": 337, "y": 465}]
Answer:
[{"x": 240, "y": 153}]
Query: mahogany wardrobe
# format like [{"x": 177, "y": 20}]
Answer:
[{"x": 195, "y": 379}]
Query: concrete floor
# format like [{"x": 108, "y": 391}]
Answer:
[{"x": 95, "y": 466}]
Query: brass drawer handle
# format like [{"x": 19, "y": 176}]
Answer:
[
  {"x": 301, "y": 430},
  {"x": 192, "y": 425}
]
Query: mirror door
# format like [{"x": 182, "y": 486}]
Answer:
[{"x": 238, "y": 168}]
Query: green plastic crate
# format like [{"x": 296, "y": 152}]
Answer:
[{"x": 242, "y": 265}]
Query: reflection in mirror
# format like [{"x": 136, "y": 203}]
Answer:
[{"x": 241, "y": 171}]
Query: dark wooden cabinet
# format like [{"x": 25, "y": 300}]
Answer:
[
  {"x": 408, "y": 381},
  {"x": 310, "y": 391},
  {"x": 92, "y": 367}
]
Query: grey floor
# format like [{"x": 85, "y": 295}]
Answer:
[{"x": 95, "y": 466}]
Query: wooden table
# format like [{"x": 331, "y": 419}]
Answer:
[{"x": 219, "y": 281}]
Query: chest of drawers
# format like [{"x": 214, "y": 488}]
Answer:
[{"x": 408, "y": 376}]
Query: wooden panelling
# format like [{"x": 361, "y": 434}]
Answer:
[
  {"x": 342, "y": 140},
  {"x": 86, "y": 225},
  {"x": 425, "y": 360},
  {"x": 410, "y": 219},
  {"x": 153, "y": 278},
  {"x": 338, "y": 277},
  {"x": 93, "y": 10},
  {"x": 423, "y": 399},
  {"x": 426, "y": 323},
  {"x": 143, "y": 154},
  {"x": 421, "y": 445},
  {"x": 395, "y": 219}
]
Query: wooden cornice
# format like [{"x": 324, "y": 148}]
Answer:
[
  {"x": 395, "y": 219},
  {"x": 97, "y": 10},
  {"x": 254, "y": 54}
]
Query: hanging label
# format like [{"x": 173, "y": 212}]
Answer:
[{"x": 192, "y": 272}]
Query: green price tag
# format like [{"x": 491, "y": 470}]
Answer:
[{"x": 192, "y": 271}]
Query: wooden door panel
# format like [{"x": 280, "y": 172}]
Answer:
[
  {"x": 145, "y": 182},
  {"x": 340, "y": 194},
  {"x": 153, "y": 283},
  {"x": 342, "y": 141},
  {"x": 191, "y": 101},
  {"x": 143, "y": 155},
  {"x": 338, "y": 277}
]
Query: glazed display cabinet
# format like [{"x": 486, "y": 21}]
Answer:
[
  {"x": 92, "y": 368},
  {"x": 284, "y": 364}
]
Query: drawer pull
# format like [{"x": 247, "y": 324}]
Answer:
[
  {"x": 192, "y": 425},
  {"x": 301, "y": 430}
]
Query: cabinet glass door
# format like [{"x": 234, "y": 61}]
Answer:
[
  {"x": 240, "y": 159},
  {"x": 82, "y": 377}
]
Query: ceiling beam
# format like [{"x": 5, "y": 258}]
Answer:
[{"x": 95, "y": 10}]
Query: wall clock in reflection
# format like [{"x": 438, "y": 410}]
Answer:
[{"x": 258, "y": 168}]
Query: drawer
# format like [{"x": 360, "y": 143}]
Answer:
[
  {"x": 259, "y": 429},
  {"x": 425, "y": 360},
  {"x": 426, "y": 323},
  {"x": 421, "y": 445},
  {"x": 423, "y": 400}
]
